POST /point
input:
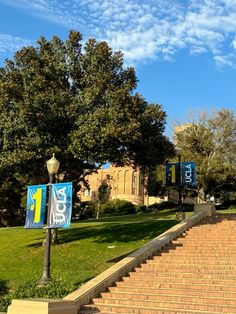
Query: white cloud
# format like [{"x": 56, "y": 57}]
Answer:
[
  {"x": 10, "y": 43},
  {"x": 146, "y": 29},
  {"x": 234, "y": 43},
  {"x": 227, "y": 60}
]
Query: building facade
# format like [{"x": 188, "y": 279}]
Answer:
[{"x": 125, "y": 183}]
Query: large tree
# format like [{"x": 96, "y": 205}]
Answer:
[
  {"x": 210, "y": 141},
  {"x": 79, "y": 103}
]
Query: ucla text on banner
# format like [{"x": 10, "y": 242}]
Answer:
[
  {"x": 189, "y": 173},
  {"x": 36, "y": 203},
  {"x": 172, "y": 174},
  {"x": 61, "y": 205}
]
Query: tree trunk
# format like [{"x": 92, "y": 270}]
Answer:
[
  {"x": 201, "y": 195},
  {"x": 98, "y": 211}
]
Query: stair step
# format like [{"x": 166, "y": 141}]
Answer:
[
  {"x": 146, "y": 307},
  {"x": 183, "y": 285},
  {"x": 185, "y": 270},
  {"x": 166, "y": 297},
  {"x": 131, "y": 310},
  {"x": 183, "y": 263},
  {"x": 215, "y": 260},
  {"x": 176, "y": 291},
  {"x": 190, "y": 279},
  {"x": 172, "y": 253}
]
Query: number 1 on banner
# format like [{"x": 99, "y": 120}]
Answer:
[
  {"x": 173, "y": 177},
  {"x": 37, "y": 196},
  {"x": 36, "y": 204},
  {"x": 172, "y": 174}
]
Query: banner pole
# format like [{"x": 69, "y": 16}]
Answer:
[{"x": 47, "y": 252}]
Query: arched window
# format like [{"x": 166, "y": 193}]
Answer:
[
  {"x": 141, "y": 185},
  {"x": 119, "y": 182},
  {"x": 127, "y": 182},
  {"x": 134, "y": 183}
]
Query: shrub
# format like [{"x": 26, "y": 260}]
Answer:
[
  {"x": 56, "y": 289},
  {"x": 140, "y": 208},
  {"x": 118, "y": 207},
  {"x": 188, "y": 207},
  {"x": 84, "y": 210},
  {"x": 228, "y": 203},
  {"x": 9, "y": 217},
  {"x": 3, "y": 287},
  {"x": 161, "y": 206},
  {"x": 167, "y": 205}
]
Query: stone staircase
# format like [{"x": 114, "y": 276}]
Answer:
[{"x": 196, "y": 273}]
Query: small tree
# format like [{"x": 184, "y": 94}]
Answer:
[
  {"x": 211, "y": 143},
  {"x": 104, "y": 192}
]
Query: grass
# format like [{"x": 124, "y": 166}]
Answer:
[
  {"x": 85, "y": 250},
  {"x": 230, "y": 210}
]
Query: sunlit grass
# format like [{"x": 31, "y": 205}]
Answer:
[{"x": 85, "y": 250}]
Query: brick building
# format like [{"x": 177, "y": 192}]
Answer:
[{"x": 126, "y": 183}]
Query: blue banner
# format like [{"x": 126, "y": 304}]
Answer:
[
  {"x": 172, "y": 174},
  {"x": 61, "y": 205},
  {"x": 36, "y": 203},
  {"x": 189, "y": 173}
]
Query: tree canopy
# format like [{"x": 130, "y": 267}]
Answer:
[
  {"x": 211, "y": 143},
  {"x": 78, "y": 102}
]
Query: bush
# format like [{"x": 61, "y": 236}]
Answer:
[
  {"x": 188, "y": 207},
  {"x": 3, "y": 287},
  {"x": 10, "y": 218},
  {"x": 225, "y": 206},
  {"x": 140, "y": 208},
  {"x": 228, "y": 203},
  {"x": 118, "y": 207},
  {"x": 84, "y": 210},
  {"x": 56, "y": 289},
  {"x": 161, "y": 206}
]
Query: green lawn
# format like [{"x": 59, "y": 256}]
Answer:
[{"x": 86, "y": 249}]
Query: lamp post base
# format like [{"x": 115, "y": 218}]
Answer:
[
  {"x": 180, "y": 216},
  {"x": 44, "y": 281}
]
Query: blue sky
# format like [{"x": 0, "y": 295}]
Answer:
[{"x": 184, "y": 51}]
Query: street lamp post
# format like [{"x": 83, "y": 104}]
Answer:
[
  {"x": 180, "y": 215},
  {"x": 52, "y": 167}
]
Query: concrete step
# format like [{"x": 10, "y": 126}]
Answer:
[
  {"x": 198, "y": 254},
  {"x": 146, "y": 307},
  {"x": 166, "y": 297},
  {"x": 178, "y": 285},
  {"x": 90, "y": 309},
  {"x": 159, "y": 262},
  {"x": 227, "y": 269},
  {"x": 148, "y": 271},
  {"x": 176, "y": 291},
  {"x": 178, "y": 279},
  {"x": 200, "y": 259}
]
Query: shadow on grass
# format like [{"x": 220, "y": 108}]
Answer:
[
  {"x": 117, "y": 233},
  {"x": 164, "y": 214},
  {"x": 3, "y": 287},
  {"x": 35, "y": 245},
  {"x": 113, "y": 232}
]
